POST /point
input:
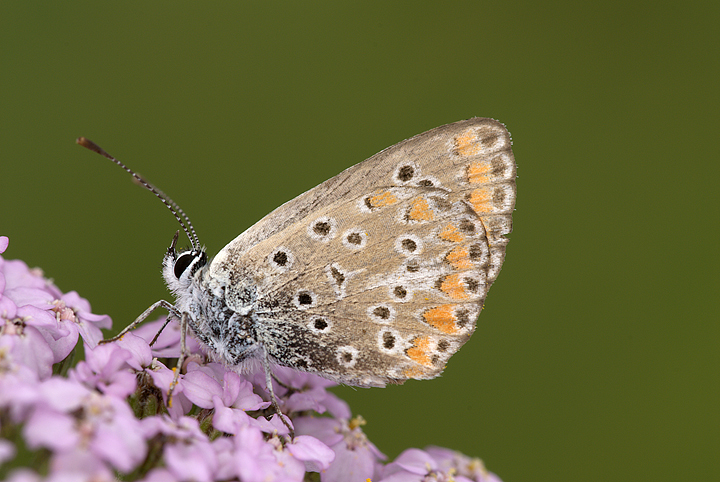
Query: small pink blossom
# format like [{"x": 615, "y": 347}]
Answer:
[
  {"x": 69, "y": 417},
  {"x": 356, "y": 458},
  {"x": 188, "y": 452},
  {"x": 472, "y": 468},
  {"x": 316, "y": 455},
  {"x": 106, "y": 368},
  {"x": 140, "y": 352},
  {"x": 27, "y": 347},
  {"x": 255, "y": 460}
]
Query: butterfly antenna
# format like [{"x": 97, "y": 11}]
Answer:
[{"x": 174, "y": 208}]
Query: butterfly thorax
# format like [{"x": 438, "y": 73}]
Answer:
[{"x": 227, "y": 333}]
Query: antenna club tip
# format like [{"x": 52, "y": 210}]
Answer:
[{"x": 88, "y": 144}]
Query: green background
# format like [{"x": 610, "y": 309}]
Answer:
[{"x": 596, "y": 357}]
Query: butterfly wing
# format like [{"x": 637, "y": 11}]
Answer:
[{"x": 378, "y": 274}]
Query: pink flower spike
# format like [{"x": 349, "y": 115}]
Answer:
[{"x": 86, "y": 428}]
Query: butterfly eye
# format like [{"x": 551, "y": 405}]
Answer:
[{"x": 182, "y": 263}]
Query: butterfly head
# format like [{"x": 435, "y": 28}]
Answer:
[{"x": 180, "y": 267}]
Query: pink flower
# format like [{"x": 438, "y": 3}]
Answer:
[
  {"x": 106, "y": 368},
  {"x": 68, "y": 417},
  {"x": 356, "y": 458},
  {"x": 257, "y": 461},
  {"x": 187, "y": 451},
  {"x": 316, "y": 455},
  {"x": 436, "y": 464},
  {"x": 24, "y": 349},
  {"x": 472, "y": 468},
  {"x": 140, "y": 352},
  {"x": 42, "y": 319},
  {"x": 414, "y": 465},
  {"x": 87, "y": 323},
  {"x": 231, "y": 400}
]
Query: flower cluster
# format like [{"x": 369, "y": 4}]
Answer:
[{"x": 108, "y": 417}]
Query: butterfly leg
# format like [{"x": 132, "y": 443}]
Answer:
[
  {"x": 183, "y": 354},
  {"x": 273, "y": 398},
  {"x": 159, "y": 304},
  {"x": 168, "y": 319}
]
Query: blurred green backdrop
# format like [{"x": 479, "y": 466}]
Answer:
[{"x": 596, "y": 357}]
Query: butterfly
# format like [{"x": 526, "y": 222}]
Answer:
[{"x": 375, "y": 276}]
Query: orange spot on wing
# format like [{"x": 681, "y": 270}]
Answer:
[
  {"x": 420, "y": 210},
  {"x": 459, "y": 258},
  {"x": 442, "y": 317},
  {"x": 480, "y": 201},
  {"x": 413, "y": 372},
  {"x": 451, "y": 233},
  {"x": 419, "y": 352},
  {"x": 477, "y": 172},
  {"x": 466, "y": 144},
  {"x": 385, "y": 199},
  {"x": 453, "y": 287}
]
